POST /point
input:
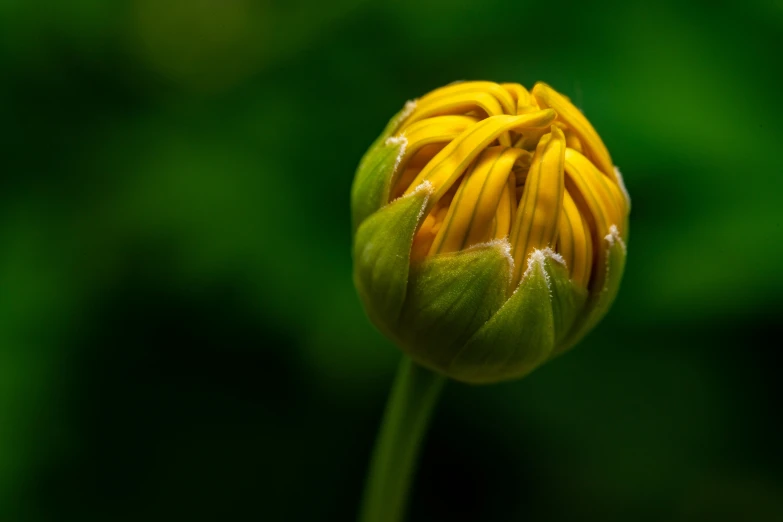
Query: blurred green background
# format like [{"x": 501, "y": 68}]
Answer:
[{"x": 179, "y": 334}]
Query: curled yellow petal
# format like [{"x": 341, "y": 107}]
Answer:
[
  {"x": 597, "y": 207},
  {"x": 450, "y": 163},
  {"x": 575, "y": 120},
  {"x": 504, "y": 216},
  {"x": 502, "y": 95},
  {"x": 430, "y": 132},
  {"x": 424, "y": 155},
  {"x": 574, "y": 242},
  {"x": 539, "y": 210},
  {"x": 435, "y": 130},
  {"x": 462, "y": 103},
  {"x": 601, "y": 194},
  {"x": 524, "y": 101},
  {"x": 464, "y": 97},
  {"x": 475, "y": 205}
]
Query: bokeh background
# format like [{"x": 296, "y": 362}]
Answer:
[{"x": 179, "y": 334}]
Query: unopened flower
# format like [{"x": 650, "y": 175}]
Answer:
[{"x": 489, "y": 229}]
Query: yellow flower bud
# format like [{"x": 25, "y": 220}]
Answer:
[{"x": 489, "y": 229}]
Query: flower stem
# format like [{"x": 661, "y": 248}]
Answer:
[{"x": 413, "y": 397}]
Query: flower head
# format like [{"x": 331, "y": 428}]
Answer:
[{"x": 489, "y": 229}]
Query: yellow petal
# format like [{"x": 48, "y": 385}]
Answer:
[
  {"x": 504, "y": 216},
  {"x": 471, "y": 214},
  {"x": 504, "y": 98},
  {"x": 524, "y": 101},
  {"x": 571, "y": 116},
  {"x": 423, "y": 136},
  {"x": 529, "y": 139},
  {"x": 574, "y": 242},
  {"x": 539, "y": 210},
  {"x": 463, "y": 103},
  {"x": 597, "y": 206},
  {"x": 601, "y": 194},
  {"x": 519, "y": 192},
  {"x": 426, "y": 234},
  {"x": 572, "y": 140},
  {"x": 404, "y": 180},
  {"x": 425, "y": 155},
  {"x": 464, "y": 97},
  {"x": 451, "y": 162},
  {"x": 438, "y": 129}
]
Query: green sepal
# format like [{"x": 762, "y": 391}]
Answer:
[
  {"x": 568, "y": 298},
  {"x": 598, "y": 304},
  {"x": 518, "y": 338},
  {"x": 372, "y": 182},
  {"x": 381, "y": 257},
  {"x": 450, "y": 296}
]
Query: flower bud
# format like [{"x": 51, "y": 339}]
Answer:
[{"x": 489, "y": 229}]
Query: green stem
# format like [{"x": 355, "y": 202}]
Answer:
[{"x": 405, "y": 421}]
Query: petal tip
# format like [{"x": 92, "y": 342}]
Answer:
[
  {"x": 614, "y": 236},
  {"x": 425, "y": 186},
  {"x": 503, "y": 246},
  {"x": 407, "y": 109},
  {"x": 402, "y": 143},
  {"x": 537, "y": 260}
]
